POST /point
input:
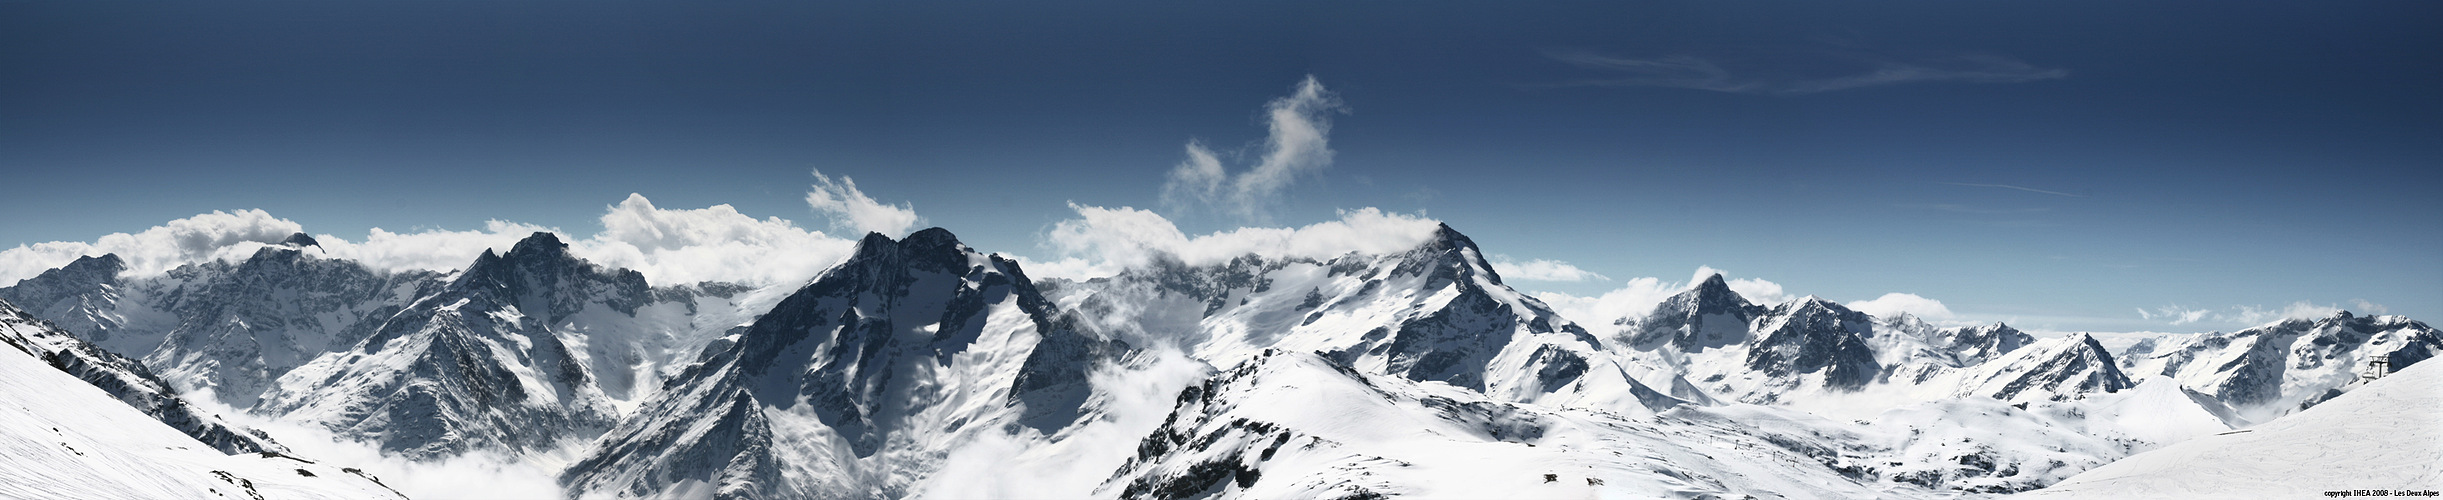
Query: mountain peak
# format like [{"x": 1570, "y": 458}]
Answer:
[
  {"x": 109, "y": 262},
  {"x": 1712, "y": 282},
  {"x": 301, "y": 240},
  {"x": 933, "y": 238},
  {"x": 539, "y": 243}
]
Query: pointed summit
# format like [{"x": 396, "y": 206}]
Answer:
[
  {"x": 2060, "y": 369},
  {"x": 1708, "y": 315},
  {"x": 538, "y": 244},
  {"x": 302, "y": 240},
  {"x": 1450, "y": 256}
]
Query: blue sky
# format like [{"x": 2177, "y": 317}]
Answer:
[{"x": 2061, "y": 164}]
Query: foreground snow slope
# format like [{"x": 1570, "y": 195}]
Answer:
[
  {"x": 2384, "y": 435},
  {"x": 125, "y": 380},
  {"x": 63, "y": 438},
  {"x": 1302, "y": 425}
]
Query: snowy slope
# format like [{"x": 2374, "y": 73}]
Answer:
[
  {"x": 2283, "y": 367},
  {"x": 1293, "y": 425},
  {"x": 858, "y": 384},
  {"x": 2386, "y": 435},
  {"x": 126, "y": 381},
  {"x": 1437, "y": 312},
  {"x": 63, "y": 438}
]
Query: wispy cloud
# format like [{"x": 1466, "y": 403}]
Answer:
[
  {"x": 1827, "y": 71},
  {"x": 1542, "y": 270},
  {"x": 2021, "y": 188},
  {"x": 1894, "y": 304},
  {"x": 2252, "y": 315},
  {"x": 850, "y": 209},
  {"x": 1299, "y": 145},
  {"x": 1947, "y": 207}
]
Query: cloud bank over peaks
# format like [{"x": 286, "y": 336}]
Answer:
[
  {"x": 851, "y": 210},
  {"x": 1636, "y": 297},
  {"x": 1102, "y": 241},
  {"x": 669, "y": 246},
  {"x": 2176, "y": 314},
  {"x": 1298, "y": 145},
  {"x": 1542, "y": 270},
  {"x": 717, "y": 243},
  {"x": 1894, "y": 304},
  {"x": 152, "y": 251}
]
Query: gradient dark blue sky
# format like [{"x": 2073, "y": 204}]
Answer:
[{"x": 2222, "y": 153}]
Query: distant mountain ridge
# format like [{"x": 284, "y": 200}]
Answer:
[{"x": 861, "y": 382}]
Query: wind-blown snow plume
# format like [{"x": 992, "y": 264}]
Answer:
[
  {"x": 1299, "y": 145},
  {"x": 1101, "y": 241},
  {"x": 851, "y": 210}
]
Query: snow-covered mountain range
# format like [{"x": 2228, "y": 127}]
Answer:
[{"x": 1415, "y": 372}]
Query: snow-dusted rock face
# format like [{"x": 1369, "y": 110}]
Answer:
[
  {"x": 1708, "y": 316},
  {"x": 241, "y": 326},
  {"x": 485, "y": 363},
  {"x": 1709, "y": 344},
  {"x": 1435, "y": 313},
  {"x": 2286, "y": 366},
  {"x": 2059, "y": 369},
  {"x": 63, "y": 438},
  {"x": 125, "y": 380},
  {"x": 82, "y": 297},
  {"x": 227, "y": 329},
  {"x": 857, "y": 384}
]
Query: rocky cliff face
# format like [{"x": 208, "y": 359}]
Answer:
[
  {"x": 488, "y": 362},
  {"x": 854, "y": 385}
]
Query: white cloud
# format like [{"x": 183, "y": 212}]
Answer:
[
  {"x": 1634, "y": 298},
  {"x": 1542, "y": 270},
  {"x": 2175, "y": 314},
  {"x": 430, "y": 250},
  {"x": 851, "y": 210},
  {"x": 152, "y": 251},
  {"x": 1756, "y": 290},
  {"x": 2250, "y": 315},
  {"x": 1298, "y": 145},
  {"x": 669, "y": 246},
  {"x": 1102, "y": 241},
  {"x": 1892, "y": 305},
  {"x": 2370, "y": 307},
  {"x": 1637, "y": 297},
  {"x": 2296, "y": 310},
  {"x": 675, "y": 246}
]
